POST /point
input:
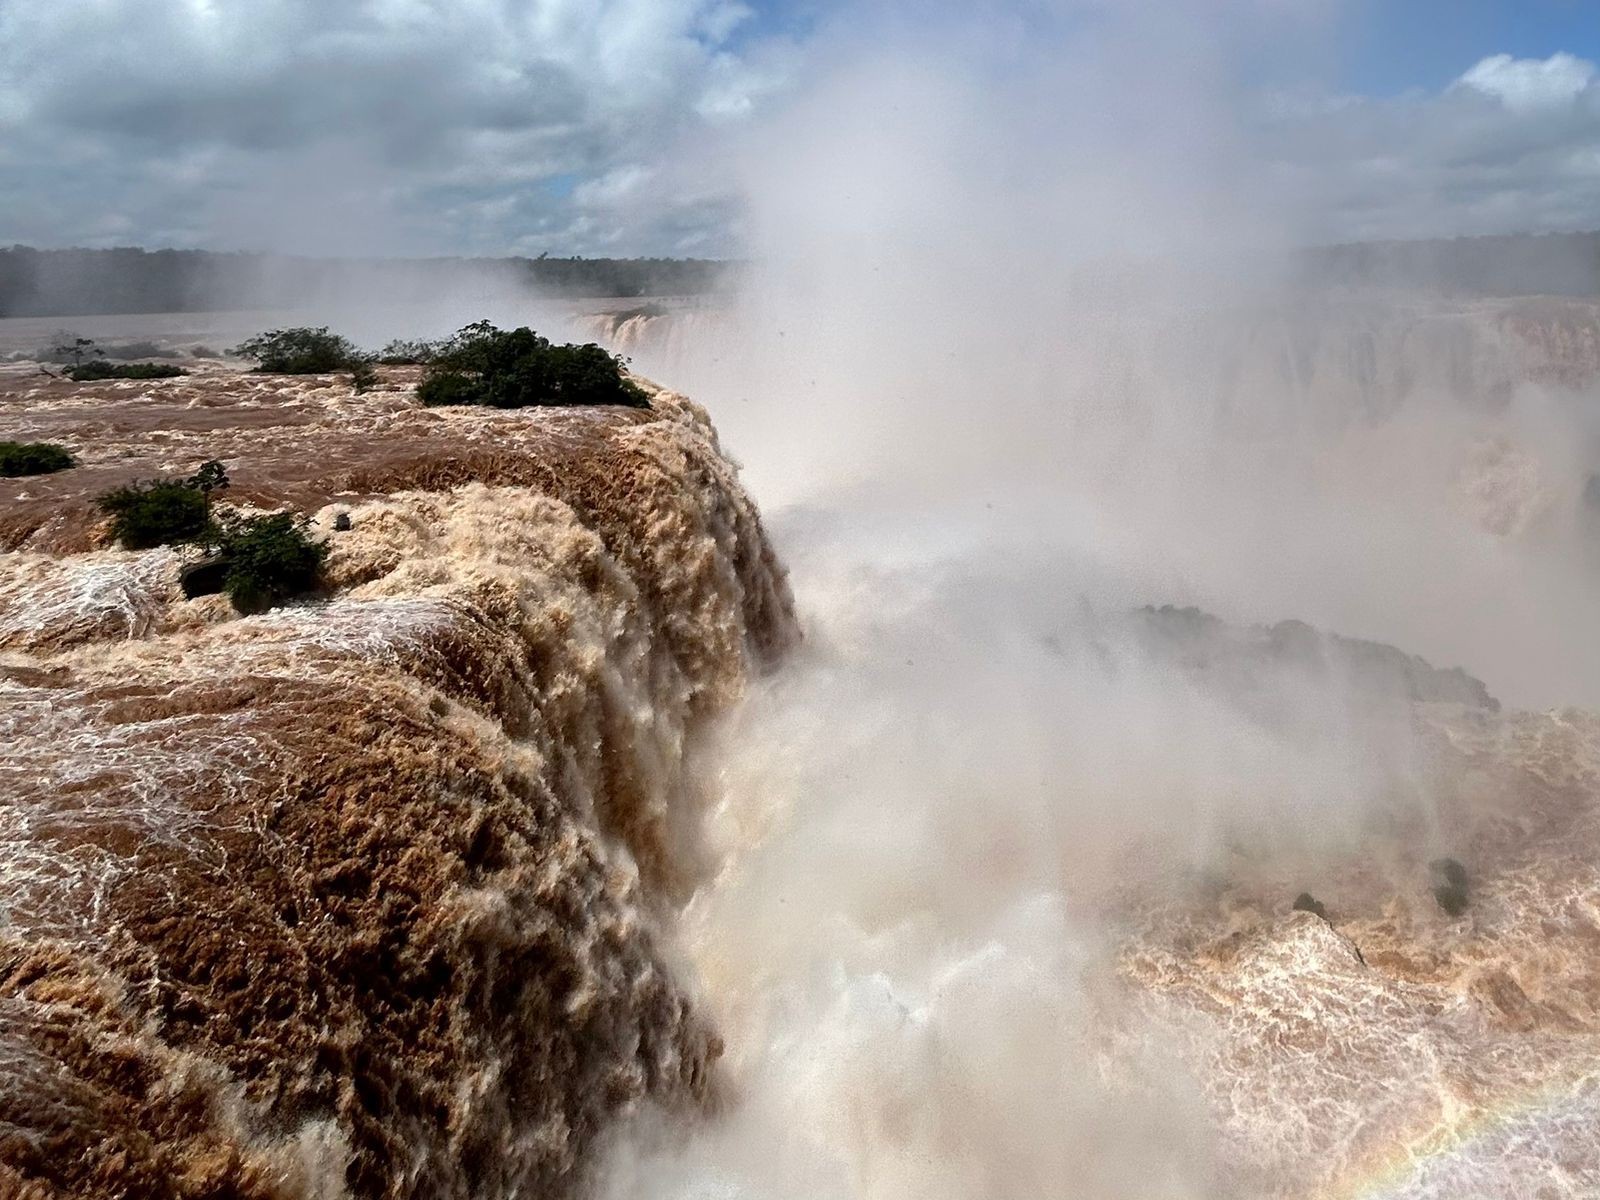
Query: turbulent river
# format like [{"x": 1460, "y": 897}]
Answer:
[{"x": 1044, "y": 798}]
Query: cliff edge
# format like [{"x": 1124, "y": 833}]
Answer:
[{"x": 358, "y": 896}]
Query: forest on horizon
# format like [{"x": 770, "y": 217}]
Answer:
[{"x": 81, "y": 282}]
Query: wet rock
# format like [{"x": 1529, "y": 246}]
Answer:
[
  {"x": 1242, "y": 660},
  {"x": 1449, "y": 885},
  {"x": 1306, "y": 902},
  {"x": 203, "y": 578},
  {"x": 1499, "y": 992}
]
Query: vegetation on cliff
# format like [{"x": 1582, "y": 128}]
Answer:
[
  {"x": 268, "y": 559},
  {"x": 32, "y": 458},
  {"x": 517, "y": 368},
  {"x": 259, "y": 561},
  {"x": 88, "y": 363},
  {"x": 164, "y": 512}
]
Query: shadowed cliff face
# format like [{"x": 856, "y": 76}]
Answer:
[{"x": 360, "y": 896}]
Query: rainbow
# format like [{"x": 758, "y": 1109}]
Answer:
[{"x": 1465, "y": 1144}]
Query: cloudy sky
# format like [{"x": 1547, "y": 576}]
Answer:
[{"x": 629, "y": 126}]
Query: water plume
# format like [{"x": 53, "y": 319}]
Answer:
[{"x": 1005, "y": 904}]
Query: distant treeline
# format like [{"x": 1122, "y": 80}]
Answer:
[
  {"x": 1554, "y": 264},
  {"x": 61, "y": 283}
]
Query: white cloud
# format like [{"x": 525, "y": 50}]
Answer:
[
  {"x": 389, "y": 125},
  {"x": 1509, "y": 147},
  {"x": 627, "y": 126},
  {"x": 1528, "y": 85}
]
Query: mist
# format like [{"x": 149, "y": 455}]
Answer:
[
  {"x": 1021, "y": 351},
  {"x": 1028, "y": 295}
]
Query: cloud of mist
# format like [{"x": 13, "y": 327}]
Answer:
[
  {"x": 1029, "y": 270},
  {"x": 934, "y": 826},
  {"x": 1014, "y": 359}
]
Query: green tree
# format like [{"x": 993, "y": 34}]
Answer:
[
  {"x": 300, "y": 351},
  {"x": 163, "y": 512},
  {"x": 268, "y": 559},
  {"x": 363, "y": 376},
  {"x": 517, "y": 368},
  {"x": 404, "y": 353}
]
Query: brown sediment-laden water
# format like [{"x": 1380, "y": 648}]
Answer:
[{"x": 362, "y": 895}]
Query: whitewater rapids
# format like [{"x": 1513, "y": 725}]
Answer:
[{"x": 363, "y": 896}]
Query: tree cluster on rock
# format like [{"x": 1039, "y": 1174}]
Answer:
[
  {"x": 300, "y": 351},
  {"x": 100, "y": 368},
  {"x": 90, "y": 364},
  {"x": 259, "y": 561},
  {"x": 163, "y": 512},
  {"x": 517, "y": 368}
]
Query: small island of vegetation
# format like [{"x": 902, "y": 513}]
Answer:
[
  {"x": 33, "y": 458},
  {"x": 517, "y": 368}
]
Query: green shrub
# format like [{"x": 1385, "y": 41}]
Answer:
[
  {"x": 99, "y": 368},
  {"x": 156, "y": 513},
  {"x": 32, "y": 458},
  {"x": 162, "y": 512},
  {"x": 299, "y": 351},
  {"x": 269, "y": 559},
  {"x": 516, "y": 368},
  {"x": 449, "y": 388}
]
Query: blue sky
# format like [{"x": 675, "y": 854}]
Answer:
[
  {"x": 1386, "y": 46},
  {"x": 786, "y": 18},
  {"x": 1395, "y": 45}
]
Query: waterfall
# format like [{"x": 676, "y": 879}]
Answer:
[{"x": 365, "y": 895}]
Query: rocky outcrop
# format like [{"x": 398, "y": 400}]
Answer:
[{"x": 1242, "y": 661}]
